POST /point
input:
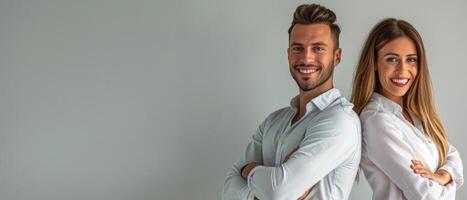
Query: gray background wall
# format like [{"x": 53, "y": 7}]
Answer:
[{"x": 156, "y": 99}]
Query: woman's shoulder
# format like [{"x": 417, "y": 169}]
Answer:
[
  {"x": 377, "y": 122},
  {"x": 376, "y": 113}
]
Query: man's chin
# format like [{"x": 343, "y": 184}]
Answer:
[{"x": 306, "y": 88}]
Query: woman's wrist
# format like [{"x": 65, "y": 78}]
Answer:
[{"x": 444, "y": 175}]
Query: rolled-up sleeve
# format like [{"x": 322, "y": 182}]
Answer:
[
  {"x": 326, "y": 144},
  {"x": 235, "y": 186},
  {"x": 454, "y": 166},
  {"x": 390, "y": 153}
]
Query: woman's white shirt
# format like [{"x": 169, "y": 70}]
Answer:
[{"x": 390, "y": 143}]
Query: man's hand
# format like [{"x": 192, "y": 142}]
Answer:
[
  {"x": 305, "y": 194},
  {"x": 441, "y": 176}
]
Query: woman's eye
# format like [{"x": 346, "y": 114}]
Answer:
[
  {"x": 412, "y": 60},
  {"x": 391, "y": 60}
]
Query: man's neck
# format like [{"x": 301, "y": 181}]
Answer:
[{"x": 305, "y": 97}]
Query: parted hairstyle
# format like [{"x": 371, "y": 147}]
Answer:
[{"x": 418, "y": 99}]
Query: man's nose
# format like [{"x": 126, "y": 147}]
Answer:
[{"x": 308, "y": 55}]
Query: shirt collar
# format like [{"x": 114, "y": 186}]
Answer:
[
  {"x": 386, "y": 103},
  {"x": 321, "y": 102}
]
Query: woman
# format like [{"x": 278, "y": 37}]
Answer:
[{"x": 405, "y": 152}]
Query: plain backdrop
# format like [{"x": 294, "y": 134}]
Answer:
[{"x": 141, "y": 99}]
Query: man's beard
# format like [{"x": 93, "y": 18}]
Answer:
[{"x": 325, "y": 76}]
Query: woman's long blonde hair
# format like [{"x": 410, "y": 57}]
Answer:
[{"x": 418, "y": 98}]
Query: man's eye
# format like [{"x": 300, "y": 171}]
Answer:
[
  {"x": 297, "y": 49},
  {"x": 319, "y": 49}
]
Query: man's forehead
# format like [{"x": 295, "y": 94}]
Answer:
[{"x": 315, "y": 32}]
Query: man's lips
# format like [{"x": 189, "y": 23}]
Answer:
[{"x": 306, "y": 71}]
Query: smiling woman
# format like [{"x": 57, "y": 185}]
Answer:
[
  {"x": 397, "y": 67},
  {"x": 405, "y": 153}
]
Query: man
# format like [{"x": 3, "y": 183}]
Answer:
[{"x": 310, "y": 150}]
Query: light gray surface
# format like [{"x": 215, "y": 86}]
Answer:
[{"x": 156, "y": 99}]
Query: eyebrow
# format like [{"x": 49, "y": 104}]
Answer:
[
  {"x": 314, "y": 44},
  {"x": 391, "y": 54},
  {"x": 319, "y": 44},
  {"x": 395, "y": 54},
  {"x": 296, "y": 44}
]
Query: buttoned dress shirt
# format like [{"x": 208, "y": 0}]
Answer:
[
  {"x": 329, "y": 141},
  {"x": 390, "y": 143}
]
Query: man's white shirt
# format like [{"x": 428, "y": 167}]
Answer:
[{"x": 329, "y": 141}]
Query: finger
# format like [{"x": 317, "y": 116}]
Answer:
[
  {"x": 418, "y": 166},
  {"x": 419, "y": 170},
  {"x": 422, "y": 171},
  {"x": 428, "y": 176},
  {"x": 417, "y": 162}
]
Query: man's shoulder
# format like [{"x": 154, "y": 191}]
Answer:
[
  {"x": 340, "y": 109},
  {"x": 279, "y": 114},
  {"x": 341, "y": 117}
]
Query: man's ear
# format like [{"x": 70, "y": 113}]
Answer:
[{"x": 337, "y": 56}]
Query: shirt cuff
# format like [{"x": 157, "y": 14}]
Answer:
[{"x": 250, "y": 178}]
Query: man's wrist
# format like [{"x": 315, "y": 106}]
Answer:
[{"x": 246, "y": 170}]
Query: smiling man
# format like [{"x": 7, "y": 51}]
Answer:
[{"x": 310, "y": 149}]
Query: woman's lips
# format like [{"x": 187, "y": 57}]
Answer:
[{"x": 399, "y": 82}]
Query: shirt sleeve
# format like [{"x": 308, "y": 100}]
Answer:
[
  {"x": 235, "y": 186},
  {"x": 389, "y": 152},
  {"x": 454, "y": 166},
  {"x": 326, "y": 145}
]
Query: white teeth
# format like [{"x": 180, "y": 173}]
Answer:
[
  {"x": 307, "y": 71},
  {"x": 400, "y": 81}
]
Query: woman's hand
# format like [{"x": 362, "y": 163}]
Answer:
[{"x": 441, "y": 176}]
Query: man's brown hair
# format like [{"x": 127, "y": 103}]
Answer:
[{"x": 316, "y": 14}]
